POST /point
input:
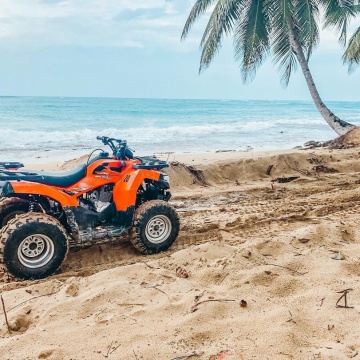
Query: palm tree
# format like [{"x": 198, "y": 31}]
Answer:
[{"x": 286, "y": 29}]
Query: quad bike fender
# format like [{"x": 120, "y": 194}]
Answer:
[
  {"x": 125, "y": 191},
  {"x": 28, "y": 188}
]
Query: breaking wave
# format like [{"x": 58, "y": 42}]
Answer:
[{"x": 45, "y": 127}]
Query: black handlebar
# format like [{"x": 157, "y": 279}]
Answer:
[
  {"x": 120, "y": 151},
  {"x": 106, "y": 139}
]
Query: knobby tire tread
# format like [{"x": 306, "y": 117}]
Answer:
[
  {"x": 7, "y": 202},
  {"x": 140, "y": 213},
  {"x": 23, "y": 219}
]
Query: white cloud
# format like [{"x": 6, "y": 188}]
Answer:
[
  {"x": 115, "y": 23},
  {"x": 92, "y": 22}
]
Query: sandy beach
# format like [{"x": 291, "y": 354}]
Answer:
[{"x": 256, "y": 273}]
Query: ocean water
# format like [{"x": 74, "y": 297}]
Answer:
[{"x": 41, "y": 129}]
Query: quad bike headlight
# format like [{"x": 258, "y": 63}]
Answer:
[{"x": 164, "y": 178}]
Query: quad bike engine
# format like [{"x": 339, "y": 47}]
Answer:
[{"x": 98, "y": 199}]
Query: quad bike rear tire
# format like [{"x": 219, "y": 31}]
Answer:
[
  {"x": 156, "y": 227},
  {"x": 10, "y": 207},
  {"x": 33, "y": 245}
]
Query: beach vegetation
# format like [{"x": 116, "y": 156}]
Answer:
[
  {"x": 352, "y": 52},
  {"x": 285, "y": 30}
]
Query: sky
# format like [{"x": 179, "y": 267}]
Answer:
[{"x": 132, "y": 49}]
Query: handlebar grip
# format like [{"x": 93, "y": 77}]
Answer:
[{"x": 104, "y": 139}]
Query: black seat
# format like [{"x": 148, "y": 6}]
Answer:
[{"x": 61, "y": 179}]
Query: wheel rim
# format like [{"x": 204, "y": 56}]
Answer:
[
  {"x": 35, "y": 251},
  {"x": 158, "y": 229}
]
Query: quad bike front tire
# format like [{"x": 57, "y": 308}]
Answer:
[
  {"x": 10, "y": 207},
  {"x": 33, "y": 245},
  {"x": 155, "y": 228}
]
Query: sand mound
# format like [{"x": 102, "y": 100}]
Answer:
[
  {"x": 351, "y": 139},
  {"x": 306, "y": 165},
  {"x": 70, "y": 164}
]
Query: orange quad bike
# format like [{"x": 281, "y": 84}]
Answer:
[{"x": 43, "y": 214}]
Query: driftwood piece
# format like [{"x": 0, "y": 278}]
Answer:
[
  {"x": 297, "y": 169},
  {"x": 284, "y": 179},
  {"x": 315, "y": 160},
  {"x": 187, "y": 356},
  {"x": 199, "y": 174},
  {"x": 5, "y": 315},
  {"x": 314, "y": 144},
  {"x": 195, "y": 307},
  {"x": 344, "y": 294},
  {"x": 285, "y": 267},
  {"x": 268, "y": 171},
  {"x": 324, "y": 168},
  {"x": 110, "y": 350}
]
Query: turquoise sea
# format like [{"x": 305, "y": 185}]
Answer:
[{"x": 40, "y": 129}]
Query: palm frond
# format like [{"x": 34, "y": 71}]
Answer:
[
  {"x": 283, "y": 15},
  {"x": 338, "y": 14},
  {"x": 284, "y": 56},
  {"x": 352, "y": 53},
  {"x": 197, "y": 10},
  {"x": 221, "y": 22},
  {"x": 251, "y": 38},
  {"x": 307, "y": 17}
]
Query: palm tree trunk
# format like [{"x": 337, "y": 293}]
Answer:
[{"x": 341, "y": 127}]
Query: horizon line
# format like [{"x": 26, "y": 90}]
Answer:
[{"x": 161, "y": 98}]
